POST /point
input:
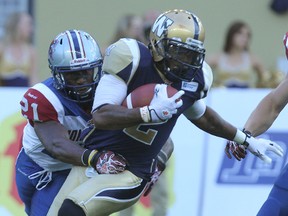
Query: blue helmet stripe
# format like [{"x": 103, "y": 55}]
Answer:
[
  {"x": 76, "y": 44},
  {"x": 196, "y": 26}
]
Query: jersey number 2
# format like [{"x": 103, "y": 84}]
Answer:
[{"x": 145, "y": 137}]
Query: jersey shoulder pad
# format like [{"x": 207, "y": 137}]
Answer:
[
  {"x": 123, "y": 54},
  {"x": 36, "y": 106},
  {"x": 208, "y": 75}
]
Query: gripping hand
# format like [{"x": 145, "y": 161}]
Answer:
[
  {"x": 106, "y": 162},
  {"x": 161, "y": 107},
  {"x": 259, "y": 147},
  {"x": 238, "y": 151},
  {"x": 154, "y": 178}
]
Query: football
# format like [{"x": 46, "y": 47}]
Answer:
[{"x": 143, "y": 95}]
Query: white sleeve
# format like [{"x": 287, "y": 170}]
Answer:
[
  {"x": 110, "y": 90},
  {"x": 196, "y": 110},
  {"x": 208, "y": 75}
]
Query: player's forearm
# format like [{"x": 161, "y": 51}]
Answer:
[
  {"x": 67, "y": 151},
  {"x": 268, "y": 109},
  {"x": 214, "y": 124},
  {"x": 55, "y": 138},
  {"x": 111, "y": 117},
  {"x": 262, "y": 117}
]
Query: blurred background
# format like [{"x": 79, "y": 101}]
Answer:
[
  {"x": 100, "y": 18},
  {"x": 191, "y": 193}
]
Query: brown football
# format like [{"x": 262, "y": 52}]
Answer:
[{"x": 143, "y": 95}]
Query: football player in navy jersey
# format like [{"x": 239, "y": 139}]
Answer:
[
  {"x": 57, "y": 110},
  {"x": 175, "y": 56},
  {"x": 270, "y": 107}
]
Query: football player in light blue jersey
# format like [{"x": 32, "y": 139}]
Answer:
[
  {"x": 175, "y": 56},
  {"x": 57, "y": 110},
  {"x": 270, "y": 107}
]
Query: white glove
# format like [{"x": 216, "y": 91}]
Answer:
[
  {"x": 161, "y": 107},
  {"x": 258, "y": 147}
]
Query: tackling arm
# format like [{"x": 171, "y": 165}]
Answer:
[
  {"x": 263, "y": 117},
  {"x": 270, "y": 107},
  {"x": 55, "y": 139},
  {"x": 212, "y": 123}
]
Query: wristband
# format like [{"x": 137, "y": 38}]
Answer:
[
  {"x": 248, "y": 135},
  {"x": 91, "y": 156},
  {"x": 145, "y": 115},
  {"x": 240, "y": 137},
  {"x": 85, "y": 156}
]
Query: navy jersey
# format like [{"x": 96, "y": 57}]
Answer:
[{"x": 132, "y": 62}]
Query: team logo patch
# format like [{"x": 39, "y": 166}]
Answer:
[{"x": 190, "y": 86}]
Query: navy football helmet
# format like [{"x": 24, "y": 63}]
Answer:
[{"x": 177, "y": 44}]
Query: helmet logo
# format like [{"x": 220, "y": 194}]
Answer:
[
  {"x": 77, "y": 61},
  {"x": 161, "y": 25}
]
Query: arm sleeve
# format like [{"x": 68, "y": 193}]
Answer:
[
  {"x": 208, "y": 76},
  {"x": 110, "y": 90},
  {"x": 196, "y": 110}
]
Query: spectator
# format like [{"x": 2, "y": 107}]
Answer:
[
  {"x": 130, "y": 26},
  {"x": 17, "y": 53},
  {"x": 236, "y": 66},
  {"x": 149, "y": 17}
]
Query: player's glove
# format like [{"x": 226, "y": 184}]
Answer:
[
  {"x": 105, "y": 162},
  {"x": 238, "y": 151},
  {"x": 161, "y": 107},
  {"x": 258, "y": 147},
  {"x": 158, "y": 171}
]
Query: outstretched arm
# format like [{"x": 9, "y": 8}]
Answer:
[
  {"x": 265, "y": 113},
  {"x": 269, "y": 107},
  {"x": 212, "y": 123},
  {"x": 262, "y": 117}
]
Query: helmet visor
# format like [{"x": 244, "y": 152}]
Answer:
[
  {"x": 80, "y": 85},
  {"x": 187, "y": 55}
]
